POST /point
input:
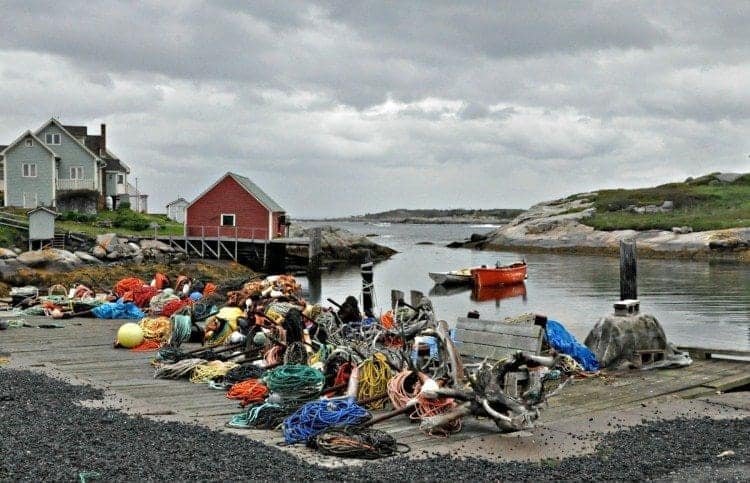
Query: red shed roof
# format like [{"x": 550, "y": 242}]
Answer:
[{"x": 248, "y": 186}]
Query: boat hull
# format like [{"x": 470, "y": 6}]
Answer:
[
  {"x": 493, "y": 277},
  {"x": 447, "y": 278}
]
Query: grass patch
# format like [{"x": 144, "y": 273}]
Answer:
[
  {"x": 123, "y": 222},
  {"x": 703, "y": 203}
]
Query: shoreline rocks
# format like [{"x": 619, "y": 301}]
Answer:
[
  {"x": 340, "y": 245},
  {"x": 556, "y": 226}
]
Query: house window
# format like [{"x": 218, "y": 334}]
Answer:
[
  {"x": 52, "y": 138},
  {"x": 227, "y": 220},
  {"x": 120, "y": 179},
  {"x": 29, "y": 143},
  {"x": 29, "y": 170},
  {"x": 76, "y": 172}
]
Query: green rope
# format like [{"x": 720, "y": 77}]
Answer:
[
  {"x": 258, "y": 415},
  {"x": 295, "y": 382}
]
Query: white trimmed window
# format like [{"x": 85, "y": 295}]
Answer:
[
  {"x": 52, "y": 138},
  {"x": 120, "y": 179},
  {"x": 29, "y": 142},
  {"x": 29, "y": 170},
  {"x": 227, "y": 219},
  {"x": 76, "y": 172}
]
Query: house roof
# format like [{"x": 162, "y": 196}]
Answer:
[
  {"x": 2, "y": 148},
  {"x": 180, "y": 199},
  {"x": 62, "y": 128},
  {"x": 248, "y": 186},
  {"x": 94, "y": 143},
  {"x": 116, "y": 165},
  {"x": 81, "y": 131},
  {"x": 22, "y": 137}
]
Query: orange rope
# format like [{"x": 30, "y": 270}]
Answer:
[
  {"x": 147, "y": 345},
  {"x": 128, "y": 285},
  {"x": 248, "y": 391},
  {"x": 400, "y": 395}
]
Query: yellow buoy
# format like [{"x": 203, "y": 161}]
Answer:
[{"x": 129, "y": 335}]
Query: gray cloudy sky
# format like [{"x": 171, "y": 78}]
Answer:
[{"x": 348, "y": 107}]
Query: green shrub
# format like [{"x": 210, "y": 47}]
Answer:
[
  {"x": 76, "y": 216},
  {"x": 130, "y": 220}
]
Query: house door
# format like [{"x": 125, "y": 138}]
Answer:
[{"x": 30, "y": 200}]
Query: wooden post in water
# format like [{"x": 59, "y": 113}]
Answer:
[
  {"x": 628, "y": 274},
  {"x": 366, "y": 269},
  {"x": 315, "y": 251}
]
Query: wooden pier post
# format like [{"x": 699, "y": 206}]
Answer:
[
  {"x": 315, "y": 252},
  {"x": 628, "y": 273},
  {"x": 366, "y": 269}
]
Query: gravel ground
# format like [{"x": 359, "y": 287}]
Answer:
[{"x": 47, "y": 436}]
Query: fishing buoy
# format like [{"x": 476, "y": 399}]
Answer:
[
  {"x": 259, "y": 339},
  {"x": 129, "y": 335}
]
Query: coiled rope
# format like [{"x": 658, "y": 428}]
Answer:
[
  {"x": 353, "y": 442},
  {"x": 295, "y": 382},
  {"x": 210, "y": 370},
  {"x": 262, "y": 416},
  {"x": 181, "y": 327},
  {"x": 404, "y": 388},
  {"x": 178, "y": 370},
  {"x": 374, "y": 374},
  {"x": 315, "y": 417},
  {"x": 249, "y": 391}
]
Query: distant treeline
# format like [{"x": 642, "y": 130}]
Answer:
[{"x": 500, "y": 213}]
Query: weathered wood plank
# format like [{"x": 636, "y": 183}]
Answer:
[
  {"x": 491, "y": 352},
  {"x": 484, "y": 325},
  {"x": 499, "y": 339}
]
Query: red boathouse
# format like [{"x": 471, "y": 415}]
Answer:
[{"x": 233, "y": 207}]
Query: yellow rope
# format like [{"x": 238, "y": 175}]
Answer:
[
  {"x": 205, "y": 372},
  {"x": 159, "y": 328},
  {"x": 374, "y": 374}
]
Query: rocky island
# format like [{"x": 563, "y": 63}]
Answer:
[{"x": 702, "y": 218}]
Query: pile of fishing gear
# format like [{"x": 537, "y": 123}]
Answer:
[{"x": 324, "y": 376}]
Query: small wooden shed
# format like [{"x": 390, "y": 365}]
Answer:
[
  {"x": 176, "y": 209},
  {"x": 41, "y": 227},
  {"x": 233, "y": 207}
]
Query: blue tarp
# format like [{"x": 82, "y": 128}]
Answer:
[
  {"x": 563, "y": 341},
  {"x": 118, "y": 310}
]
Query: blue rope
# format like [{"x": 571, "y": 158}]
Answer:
[{"x": 315, "y": 417}]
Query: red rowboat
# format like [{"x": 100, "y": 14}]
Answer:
[{"x": 494, "y": 276}]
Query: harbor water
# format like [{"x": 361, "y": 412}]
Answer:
[{"x": 698, "y": 303}]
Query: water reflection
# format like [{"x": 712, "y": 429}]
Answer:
[{"x": 484, "y": 294}]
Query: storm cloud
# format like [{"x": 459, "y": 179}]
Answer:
[{"x": 345, "y": 107}]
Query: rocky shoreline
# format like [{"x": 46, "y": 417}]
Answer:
[
  {"x": 556, "y": 226},
  {"x": 102, "y": 254}
]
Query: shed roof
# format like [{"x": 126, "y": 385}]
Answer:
[
  {"x": 258, "y": 193},
  {"x": 248, "y": 186},
  {"x": 178, "y": 200},
  {"x": 42, "y": 208}
]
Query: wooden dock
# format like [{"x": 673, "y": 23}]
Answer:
[{"x": 82, "y": 352}]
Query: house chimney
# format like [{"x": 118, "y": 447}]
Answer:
[{"x": 103, "y": 143}]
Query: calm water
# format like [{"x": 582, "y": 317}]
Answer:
[{"x": 698, "y": 303}]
